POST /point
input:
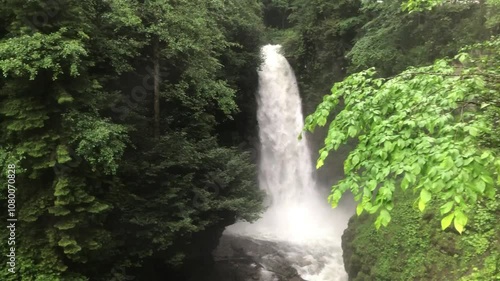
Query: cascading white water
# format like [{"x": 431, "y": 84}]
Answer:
[{"x": 299, "y": 215}]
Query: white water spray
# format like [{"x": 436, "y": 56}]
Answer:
[{"x": 299, "y": 215}]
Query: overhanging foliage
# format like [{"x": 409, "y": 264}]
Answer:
[{"x": 429, "y": 129}]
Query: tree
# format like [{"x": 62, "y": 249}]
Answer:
[
  {"x": 430, "y": 129},
  {"x": 392, "y": 40},
  {"x": 64, "y": 150},
  {"x": 101, "y": 195},
  {"x": 276, "y": 13},
  {"x": 323, "y": 33}
]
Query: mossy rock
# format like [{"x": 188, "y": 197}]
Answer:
[{"x": 413, "y": 246}]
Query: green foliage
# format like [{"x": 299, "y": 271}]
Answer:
[
  {"x": 98, "y": 141},
  {"x": 420, "y": 5},
  {"x": 276, "y": 13},
  {"x": 392, "y": 40},
  {"x": 419, "y": 130},
  {"x": 28, "y": 54},
  {"x": 323, "y": 33},
  {"x": 330, "y": 39},
  {"x": 430, "y": 127},
  {"x": 98, "y": 197},
  {"x": 410, "y": 248},
  {"x": 492, "y": 15}
]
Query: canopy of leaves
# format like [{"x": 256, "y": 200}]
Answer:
[
  {"x": 323, "y": 31},
  {"x": 98, "y": 197},
  {"x": 392, "y": 40},
  {"x": 430, "y": 129}
]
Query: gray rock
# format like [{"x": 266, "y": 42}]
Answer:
[{"x": 242, "y": 258}]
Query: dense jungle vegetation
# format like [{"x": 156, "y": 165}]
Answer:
[
  {"x": 131, "y": 125},
  {"x": 127, "y": 123},
  {"x": 421, "y": 104}
]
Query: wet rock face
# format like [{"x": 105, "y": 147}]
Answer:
[
  {"x": 352, "y": 263},
  {"x": 246, "y": 259}
]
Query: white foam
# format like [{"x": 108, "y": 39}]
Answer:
[{"x": 298, "y": 212}]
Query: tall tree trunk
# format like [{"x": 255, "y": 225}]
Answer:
[{"x": 156, "y": 78}]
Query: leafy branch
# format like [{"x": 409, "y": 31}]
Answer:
[{"x": 409, "y": 136}]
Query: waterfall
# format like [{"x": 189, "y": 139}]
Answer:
[{"x": 298, "y": 213}]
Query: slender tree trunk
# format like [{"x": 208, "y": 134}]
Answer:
[{"x": 156, "y": 74}]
